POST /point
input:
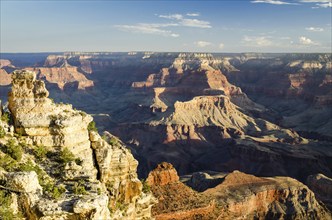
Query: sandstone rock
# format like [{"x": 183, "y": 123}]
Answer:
[
  {"x": 164, "y": 174},
  {"x": 49, "y": 124},
  {"x": 5, "y": 78},
  {"x": 62, "y": 76},
  {"x": 321, "y": 185},
  {"x": 26, "y": 182},
  {"x": 246, "y": 196},
  {"x": 176, "y": 200},
  {"x": 117, "y": 170},
  {"x": 201, "y": 181},
  {"x": 93, "y": 208}
]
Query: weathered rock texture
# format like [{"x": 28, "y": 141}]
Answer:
[
  {"x": 49, "y": 124},
  {"x": 321, "y": 185},
  {"x": 64, "y": 75},
  {"x": 245, "y": 196},
  {"x": 238, "y": 196},
  {"x": 176, "y": 200},
  {"x": 104, "y": 170}
]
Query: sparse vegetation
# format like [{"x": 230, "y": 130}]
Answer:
[
  {"x": 12, "y": 149},
  {"x": 92, "y": 126},
  {"x": 40, "y": 152},
  {"x": 6, "y": 213},
  {"x": 79, "y": 188},
  {"x": 146, "y": 188},
  {"x": 53, "y": 191},
  {"x": 121, "y": 206},
  {"x": 5, "y": 117},
  {"x": 113, "y": 141},
  {"x": 46, "y": 183},
  {"x": 7, "y": 163},
  {"x": 66, "y": 156},
  {"x": 2, "y": 132}
]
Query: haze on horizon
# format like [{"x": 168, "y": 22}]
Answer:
[{"x": 275, "y": 26}]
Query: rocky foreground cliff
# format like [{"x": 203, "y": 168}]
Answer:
[{"x": 54, "y": 165}]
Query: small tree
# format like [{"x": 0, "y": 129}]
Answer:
[
  {"x": 92, "y": 126},
  {"x": 12, "y": 149},
  {"x": 66, "y": 156},
  {"x": 40, "y": 152},
  {"x": 2, "y": 132}
]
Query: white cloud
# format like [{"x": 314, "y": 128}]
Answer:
[
  {"x": 273, "y": 2},
  {"x": 193, "y": 14},
  {"x": 148, "y": 29},
  {"x": 177, "y": 20},
  {"x": 307, "y": 42},
  {"x": 202, "y": 43},
  {"x": 319, "y": 3},
  {"x": 314, "y": 29},
  {"x": 221, "y": 46},
  {"x": 261, "y": 41},
  {"x": 172, "y": 16},
  {"x": 187, "y": 22},
  {"x": 195, "y": 23}
]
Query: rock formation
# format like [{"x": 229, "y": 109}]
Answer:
[
  {"x": 176, "y": 200},
  {"x": 321, "y": 185},
  {"x": 245, "y": 196},
  {"x": 63, "y": 75},
  {"x": 91, "y": 176},
  {"x": 238, "y": 196}
]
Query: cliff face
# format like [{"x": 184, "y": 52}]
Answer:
[
  {"x": 238, "y": 196},
  {"x": 63, "y": 75},
  {"x": 176, "y": 200},
  {"x": 95, "y": 175}
]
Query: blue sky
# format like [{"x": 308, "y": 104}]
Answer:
[{"x": 173, "y": 25}]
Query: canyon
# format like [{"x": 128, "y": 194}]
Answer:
[{"x": 246, "y": 130}]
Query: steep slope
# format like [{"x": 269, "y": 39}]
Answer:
[
  {"x": 238, "y": 196},
  {"x": 65, "y": 169},
  {"x": 63, "y": 75},
  {"x": 176, "y": 200}
]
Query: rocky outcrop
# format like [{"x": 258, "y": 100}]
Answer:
[
  {"x": 63, "y": 76},
  {"x": 48, "y": 124},
  {"x": 245, "y": 196},
  {"x": 176, "y": 200},
  {"x": 117, "y": 170},
  {"x": 98, "y": 175},
  {"x": 321, "y": 185},
  {"x": 162, "y": 175},
  {"x": 238, "y": 196},
  {"x": 5, "y": 78}
]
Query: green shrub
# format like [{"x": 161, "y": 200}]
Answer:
[
  {"x": 29, "y": 166},
  {"x": 66, "y": 156},
  {"x": 54, "y": 191},
  {"x": 58, "y": 191},
  {"x": 146, "y": 188},
  {"x": 12, "y": 149},
  {"x": 40, "y": 152},
  {"x": 79, "y": 188},
  {"x": 113, "y": 141},
  {"x": 5, "y": 117},
  {"x": 92, "y": 126},
  {"x": 6, "y": 213},
  {"x": 2, "y": 132},
  {"x": 8, "y": 163}
]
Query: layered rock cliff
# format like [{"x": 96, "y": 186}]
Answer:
[
  {"x": 238, "y": 196},
  {"x": 82, "y": 176}
]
